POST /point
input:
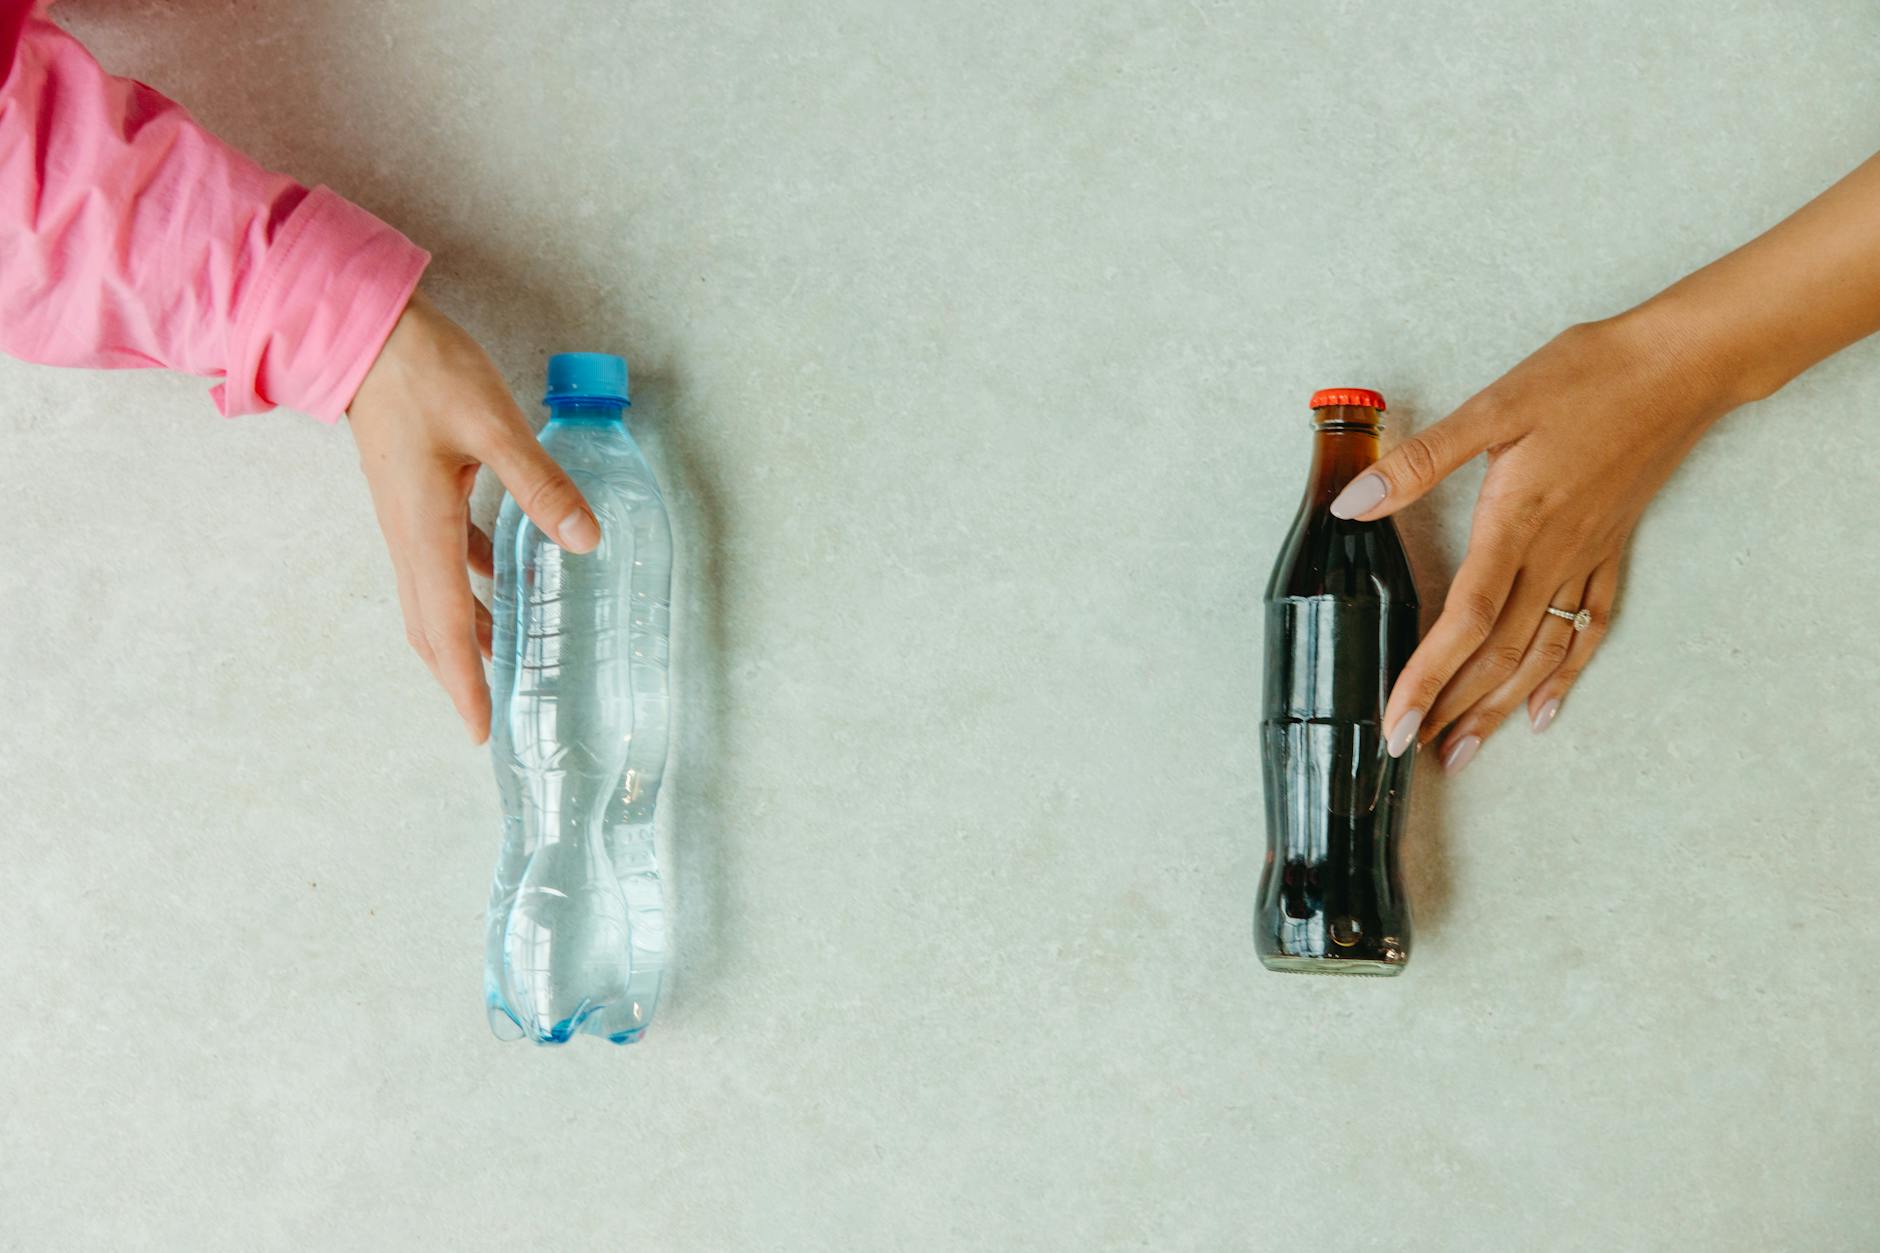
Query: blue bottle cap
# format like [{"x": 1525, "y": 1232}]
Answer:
[{"x": 586, "y": 376}]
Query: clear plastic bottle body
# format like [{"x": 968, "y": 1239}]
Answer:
[{"x": 577, "y": 928}]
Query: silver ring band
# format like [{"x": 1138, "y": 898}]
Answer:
[{"x": 1580, "y": 620}]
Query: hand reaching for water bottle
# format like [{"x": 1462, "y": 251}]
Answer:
[
  {"x": 1581, "y": 435},
  {"x": 149, "y": 241},
  {"x": 432, "y": 409}
]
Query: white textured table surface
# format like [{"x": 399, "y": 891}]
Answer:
[{"x": 971, "y": 342}]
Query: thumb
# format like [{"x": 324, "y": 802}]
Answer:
[
  {"x": 1408, "y": 471},
  {"x": 543, "y": 490}
]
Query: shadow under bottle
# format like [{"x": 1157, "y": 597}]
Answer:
[{"x": 1341, "y": 622}]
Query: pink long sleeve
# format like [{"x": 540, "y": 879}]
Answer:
[{"x": 131, "y": 237}]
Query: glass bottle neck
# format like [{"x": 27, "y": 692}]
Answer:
[{"x": 1344, "y": 445}]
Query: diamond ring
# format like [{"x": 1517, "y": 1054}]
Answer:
[{"x": 1580, "y": 620}]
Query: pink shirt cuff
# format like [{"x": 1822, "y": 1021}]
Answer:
[{"x": 333, "y": 284}]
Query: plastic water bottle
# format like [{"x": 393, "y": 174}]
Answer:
[{"x": 577, "y": 940}]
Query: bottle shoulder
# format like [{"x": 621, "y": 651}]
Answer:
[
  {"x": 1328, "y": 556},
  {"x": 601, "y": 456},
  {"x": 615, "y": 481},
  {"x": 591, "y": 441}
]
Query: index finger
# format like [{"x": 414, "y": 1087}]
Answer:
[
  {"x": 1470, "y": 610},
  {"x": 541, "y": 488}
]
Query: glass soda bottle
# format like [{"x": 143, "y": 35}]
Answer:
[
  {"x": 576, "y": 937},
  {"x": 1341, "y": 621}
]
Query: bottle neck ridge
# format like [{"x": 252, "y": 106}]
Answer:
[
  {"x": 586, "y": 410},
  {"x": 1344, "y": 445}
]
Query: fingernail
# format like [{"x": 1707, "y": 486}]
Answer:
[
  {"x": 1404, "y": 732},
  {"x": 1544, "y": 716},
  {"x": 1462, "y": 754},
  {"x": 1361, "y": 495},
  {"x": 578, "y": 532}
]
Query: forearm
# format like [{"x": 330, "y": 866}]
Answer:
[
  {"x": 1808, "y": 287},
  {"x": 130, "y": 236}
]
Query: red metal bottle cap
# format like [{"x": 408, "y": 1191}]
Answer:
[{"x": 1348, "y": 396}]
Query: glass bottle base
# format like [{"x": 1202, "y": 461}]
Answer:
[{"x": 1330, "y": 966}]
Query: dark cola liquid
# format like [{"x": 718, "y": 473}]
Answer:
[{"x": 1341, "y": 621}]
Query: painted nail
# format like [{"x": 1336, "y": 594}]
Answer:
[
  {"x": 1462, "y": 754},
  {"x": 1544, "y": 716},
  {"x": 1361, "y": 495},
  {"x": 578, "y": 532},
  {"x": 1404, "y": 732}
]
